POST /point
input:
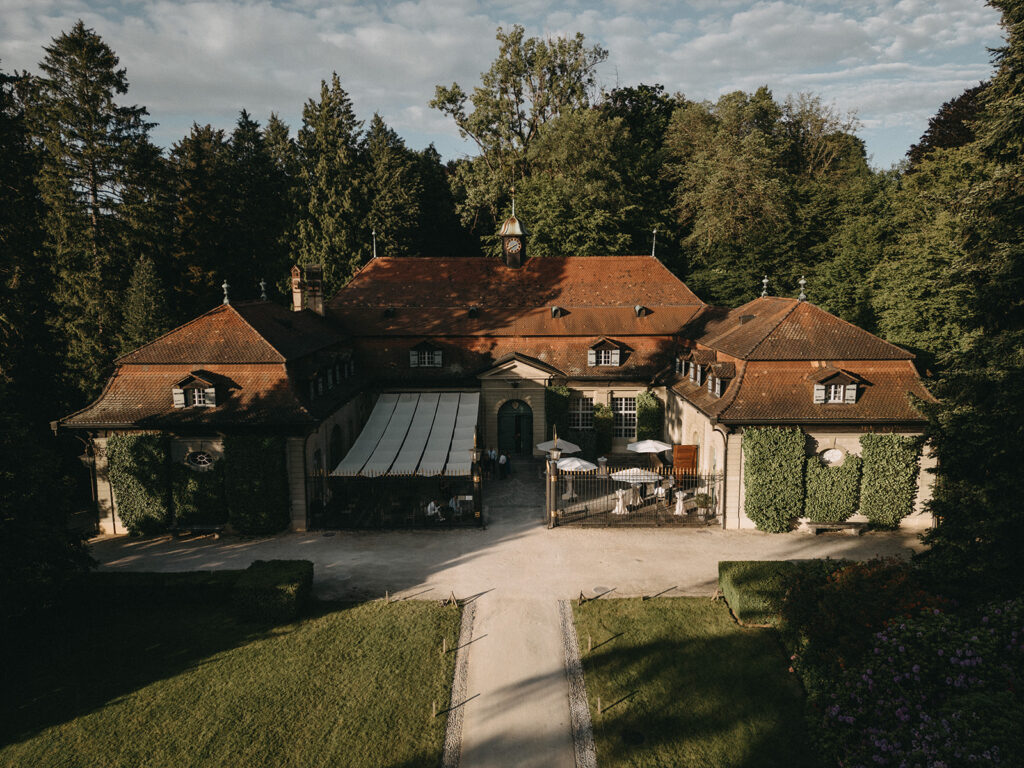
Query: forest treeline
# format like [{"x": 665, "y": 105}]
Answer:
[{"x": 108, "y": 240}]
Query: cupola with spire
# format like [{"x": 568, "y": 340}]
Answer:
[{"x": 513, "y": 239}]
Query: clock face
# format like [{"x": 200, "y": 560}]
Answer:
[{"x": 514, "y": 245}]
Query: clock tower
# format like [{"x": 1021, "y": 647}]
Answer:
[{"x": 513, "y": 241}]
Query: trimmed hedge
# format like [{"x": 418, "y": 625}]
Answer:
[
  {"x": 650, "y": 417},
  {"x": 832, "y": 493},
  {"x": 138, "y": 472},
  {"x": 756, "y": 589},
  {"x": 268, "y": 591},
  {"x": 198, "y": 497},
  {"x": 773, "y": 465},
  {"x": 889, "y": 481},
  {"x": 274, "y": 590},
  {"x": 256, "y": 484}
]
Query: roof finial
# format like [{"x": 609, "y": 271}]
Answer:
[
  {"x": 802, "y": 296},
  {"x": 654, "y": 240},
  {"x": 225, "y": 287},
  {"x": 513, "y": 200},
  {"x": 263, "y": 289},
  {"x": 764, "y": 289},
  {"x": 374, "y": 233}
]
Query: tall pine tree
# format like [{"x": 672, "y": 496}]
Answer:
[
  {"x": 395, "y": 191},
  {"x": 331, "y": 228},
  {"x": 89, "y": 142},
  {"x": 145, "y": 314}
]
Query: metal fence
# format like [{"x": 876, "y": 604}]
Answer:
[
  {"x": 630, "y": 495},
  {"x": 360, "y": 503}
]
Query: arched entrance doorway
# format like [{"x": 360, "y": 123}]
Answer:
[{"x": 515, "y": 428}]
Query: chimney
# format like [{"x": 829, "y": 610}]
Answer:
[
  {"x": 307, "y": 288},
  {"x": 297, "y": 300}
]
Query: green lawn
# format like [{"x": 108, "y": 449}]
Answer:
[
  {"x": 349, "y": 685},
  {"x": 682, "y": 685}
]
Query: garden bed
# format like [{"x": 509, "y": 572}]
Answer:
[
  {"x": 194, "y": 684},
  {"x": 682, "y": 685}
]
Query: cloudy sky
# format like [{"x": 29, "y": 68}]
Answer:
[{"x": 893, "y": 63}]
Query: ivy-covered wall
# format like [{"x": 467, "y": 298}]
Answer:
[
  {"x": 650, "y": 417},
  {"x": 198, "y": 497},
  {"x": 773, "y": 460},
  {"x": 556, "y": 409},
  {"x": 604, "y": 428},
  {"x": 256, "y": 483},
  {"x": 832, "y": 493},
  {"x": 889, "y": 480},
  {"x": 138, "y": 472}
]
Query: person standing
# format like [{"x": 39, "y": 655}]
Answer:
[{"x": 503, "y": 465}]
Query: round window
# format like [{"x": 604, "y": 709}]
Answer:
[
  {"x": 198, "y": 459},
  {"x": 833, "y": 457}
]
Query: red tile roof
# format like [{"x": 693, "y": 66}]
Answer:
[
  {"x": 571, "y": 281},
  {"x": 783, "y": 392},
  {"x": 140, "y": 396},
  {"x": 466, "y": 357},
  {"x": 248, "y": 332},
  {"x": 774, "y": 328}
]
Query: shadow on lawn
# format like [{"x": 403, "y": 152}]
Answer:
[
  {"x": 724, "y": 700},
  {"x": 77, "y": 660}
]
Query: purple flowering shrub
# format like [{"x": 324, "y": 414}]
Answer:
[{"x": 935, "y": 691}]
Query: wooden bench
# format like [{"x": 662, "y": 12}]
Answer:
[
  {"x": 216, "y": 530},
  {"x": 855, "y": 529}
]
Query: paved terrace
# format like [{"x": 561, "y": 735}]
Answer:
[{"x": 518, "y": 710}]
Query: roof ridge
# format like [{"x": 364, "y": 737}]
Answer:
[
  {"x": 262, "y": 338},
  {"x": 775, "y": 327}
]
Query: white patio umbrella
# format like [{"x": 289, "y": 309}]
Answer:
[
  {"x": 569, "y": 465},
  {"x": 574, "y": 464},
  {"x": 635, "y": 476},
  {"x": 648, "y": 446},
  {"x": 563, "y": 445}
]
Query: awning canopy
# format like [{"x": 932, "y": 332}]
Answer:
[{"x": 415, "y": 433}]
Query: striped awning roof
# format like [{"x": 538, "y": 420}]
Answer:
[{"x": 415, "y": 433}]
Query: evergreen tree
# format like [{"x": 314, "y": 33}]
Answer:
[
  {"x": 952, "y": 126},
  {"x": 284, "y": 182},
  {"x": 975, "y": 429},
  {"x": 261, "y": 212},
  {"x": 145, "y": 313},
  {"x": 88, "y": 143},
  {"x": 439, "y": 231},
  {"x": 37, "y": 553},
  {"x": 332, "y": 227},
  {"x": 203, "y": 209},
  {"x": 395, "y": 191}
]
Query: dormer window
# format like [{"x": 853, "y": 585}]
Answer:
[
  {"x": 194, "y": 391},
  {"x": 425, "y": 356},
  {"x": 834, "y": 387},
  {"x": 604, "y": 353}
]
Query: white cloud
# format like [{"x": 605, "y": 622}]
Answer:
[{"x": 895, "y": 62}]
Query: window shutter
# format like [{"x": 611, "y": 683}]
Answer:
[
  {"x": 850, "y": 394},
  {"x": 178, "y": 396},
  {"x": 437, "y": 358},
  {"x": 718, "y": 387},
  {"x": 819, "y": 393},
  {"x": 616, "y": 356},
  {"x": 700, "y": 375},
  {"x": 211, "y": 396},
  {"x": 591, "y": 357},
  {"x": 413, "y": 359}
]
